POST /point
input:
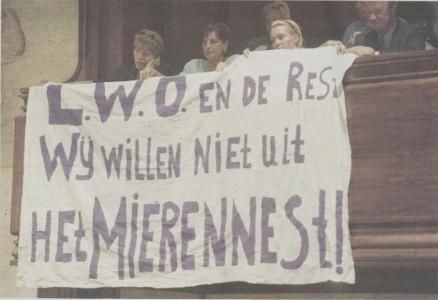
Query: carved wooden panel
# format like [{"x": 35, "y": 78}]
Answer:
[
  {"x": 17, "y": 174},
  {"x": 392, "y": 106}
]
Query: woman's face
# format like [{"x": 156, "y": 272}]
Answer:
[
  {"x": 213, "y": 47},
  {"x": 142, "y": 55},
  {"x": 283, "y": 38}
]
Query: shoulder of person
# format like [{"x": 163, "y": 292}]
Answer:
[
  {"x": 166, "y": 69},
  {"x": 257, "y": 42},
  {"x": 409, "y": 28},
  {"x": 365, "y": 38},
  {"x": 432, "y": 41},
  {"x": 352, "y": 31},
  {"x": 231, "y": 58},
  {"x": 194, "y": 66},
  {"x": 410, "y": 36},
  {"x": 357, "y": 25},
  {"x": 407, "y": 37}
]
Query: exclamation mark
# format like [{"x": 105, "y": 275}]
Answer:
[{"x": 339, "y": 232}]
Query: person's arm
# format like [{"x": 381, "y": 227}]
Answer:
[
  {"x": 146, "y": 73},
  {"x": 188, "y": 68},
  {"x": 338, "y": 45},
  {"x": 416, "y": 40},
  {"x": 348, "y": 33},
  {"x": 341, "y": 49},
  {"x": 361, "y": 50}
]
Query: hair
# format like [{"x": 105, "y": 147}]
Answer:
[
  {"x": 391, "y": 4},
  {"x": 279, "y": 7},
  {"x": 222, "y": 31},
  {"x": 359, "y": 9},
  {"x": 149, "y": 39},
  {"x": 294, "y": 28}
]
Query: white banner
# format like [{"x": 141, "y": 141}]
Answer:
[{"x": 240, "y": 175}]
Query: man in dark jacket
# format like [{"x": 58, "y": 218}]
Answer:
[{"x": 386, "y": 32}]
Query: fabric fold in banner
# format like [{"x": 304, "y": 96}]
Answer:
[{"x": 240, "y": 175}]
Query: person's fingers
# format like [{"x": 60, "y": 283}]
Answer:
[
  {"x": 368, "y": 51},
  {"x": 144, "y": 74},
  {"x": 148, "y": 72},
  {"x": 154, "y": 73},
  {"x": 343, "y": 47},
  {"x": 340, "y": 47}
]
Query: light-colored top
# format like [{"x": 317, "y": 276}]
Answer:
[{"x": 199, "y": 65}]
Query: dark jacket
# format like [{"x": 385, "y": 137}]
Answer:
[
  {"x": 130, "y": 72},
  {"x": 406, "y": 37},
  {"x": 432, "y": 39},
  {"x": 259, "y": 41}
]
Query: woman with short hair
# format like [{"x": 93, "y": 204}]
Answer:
[
  {"x": 147, "y": 48},
  {"x": 215, "y": 43}
]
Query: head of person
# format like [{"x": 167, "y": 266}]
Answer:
[
  {"x": 215, "y": 42},
  {"x": 286, "y": 34},
  {"x": 148, "y": 45},
  {"x": 380, "y": 15},
  {"x": 278, "y": 10},
  {"x": 360, "y": 10}
]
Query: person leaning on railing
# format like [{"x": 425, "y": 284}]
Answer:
[
  {"x": 215, "y": 43},
  {"x": 147, "y": 49},
  {"x": 386, "y": 32}
]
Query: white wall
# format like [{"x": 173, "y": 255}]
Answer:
[{"x": 51, "y": 31}]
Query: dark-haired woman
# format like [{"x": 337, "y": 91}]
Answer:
[{"x": 215, "y": 42}]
